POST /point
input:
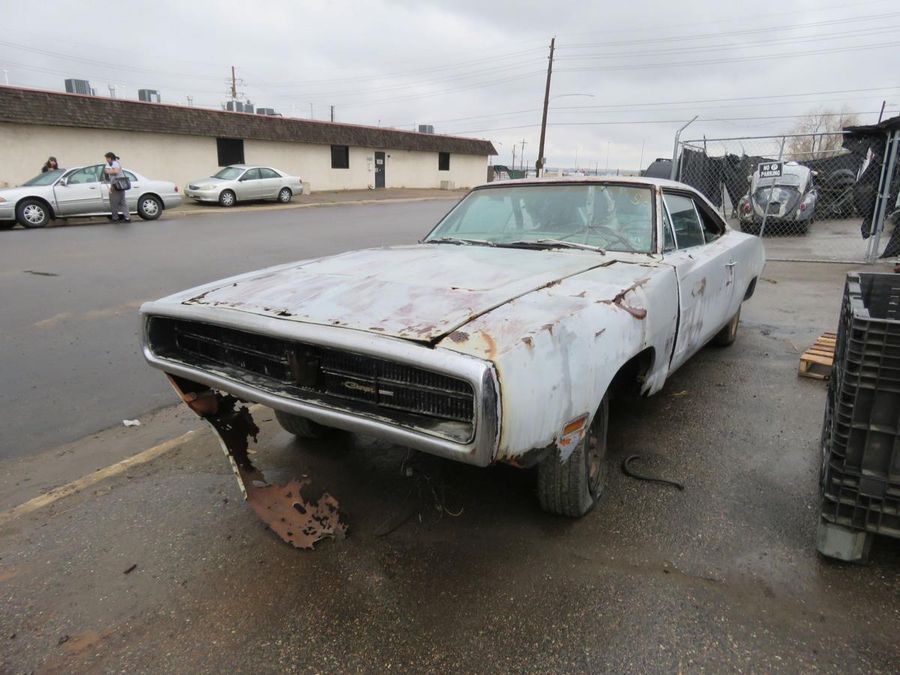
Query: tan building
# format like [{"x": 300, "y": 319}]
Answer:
[{"x": 180, "y": 144}]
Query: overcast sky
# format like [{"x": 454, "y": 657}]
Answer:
[{"x": 625, "y": 77}]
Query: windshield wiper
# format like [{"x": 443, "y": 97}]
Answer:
[
  {"x": 460, "y": 242},
  {"x": 551, "y": 243}
]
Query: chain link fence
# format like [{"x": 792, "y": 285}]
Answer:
[{"x": 808, "y": 196}]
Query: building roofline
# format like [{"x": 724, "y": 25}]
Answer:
[{"x": 14, "y": 108}]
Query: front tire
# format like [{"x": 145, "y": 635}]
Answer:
[
  {"x": 227, "y": 199},
  {"x": 149, "y": 207},
  {"x": 300, "y": 426},
  {"x": 285, "y": 195},
  {"x": 728, "y": 334},
  {"x": 572, "y": 488},
  {"x": 32, "y": 213}
]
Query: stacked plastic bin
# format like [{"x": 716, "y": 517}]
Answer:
[{"x": 860, "y": 479}]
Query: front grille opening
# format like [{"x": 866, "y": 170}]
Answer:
[{"x": 405, "y": 395}]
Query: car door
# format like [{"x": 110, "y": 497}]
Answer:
[
  {"x": 248, "y": 185},
  {"x": 270, "y": 182},
  {"x": 131, "y": 196},
  {"x": 704, "y": 269},
  {"x": 79, "y": 192}
]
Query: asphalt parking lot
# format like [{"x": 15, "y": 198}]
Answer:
[{"x": 447, "y": 567}]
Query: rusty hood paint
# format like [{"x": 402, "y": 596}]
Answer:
[{"x": 418, "y": 293}]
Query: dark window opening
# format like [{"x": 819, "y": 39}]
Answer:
[
  {"x": 443, "y": 161},
  {"x": 340, "y": 156},
  {"x": 231, "y": 151}
]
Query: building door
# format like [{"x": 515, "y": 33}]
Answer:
[{"x": 379, "y": 170}]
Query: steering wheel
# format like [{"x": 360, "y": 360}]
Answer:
[{"x": 606, "y": 230}]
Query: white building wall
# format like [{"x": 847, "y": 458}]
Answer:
[{"x": 25, "y": 147}]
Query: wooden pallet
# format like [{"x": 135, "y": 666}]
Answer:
[{"x": 816, "y": 361}]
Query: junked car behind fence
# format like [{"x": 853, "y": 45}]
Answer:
[
  {"x": 499, "y": 338},
  {"x": 80, "y": 192}
]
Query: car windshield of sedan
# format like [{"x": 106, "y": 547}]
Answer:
[
  {"x": 605, "y": 216},
  {"x": 229, "y": 173},
  {"x": 45, "y": 178}
]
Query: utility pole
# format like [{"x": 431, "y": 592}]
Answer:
[
  {"x": 332, "y": 113},
  {"x": 233, "y": 85},
  {"x": 513, "y": 165},
  {"x": 523, "y": 154},
  {"x": 539, "y": 164}
]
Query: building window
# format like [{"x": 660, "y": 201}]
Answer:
[
  {"x": 340, "y": 157},
  {"x": 443, "y": 161},
  {"x": 231, "y": 151}
]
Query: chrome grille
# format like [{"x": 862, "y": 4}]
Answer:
[{"x": 407, "y": 395}]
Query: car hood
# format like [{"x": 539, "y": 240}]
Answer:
[
  {"x": 15, "y": 193},
  {"x": 210, "y": 180},
  {"x": 416, "y": 293}
]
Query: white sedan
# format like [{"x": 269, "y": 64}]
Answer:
[
  {"x": 240, "y": 182},
  {"x": 81, "y": 192}
]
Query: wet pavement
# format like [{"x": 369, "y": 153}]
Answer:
[
  {"x": 453, "y": 568},
  {"x": 70, "y": 358}
]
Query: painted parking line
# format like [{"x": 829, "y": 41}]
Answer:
[{"x": 98, "y": 476}]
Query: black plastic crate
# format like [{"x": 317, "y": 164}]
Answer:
[
  {"x": 860, "y": 480},
  {"x": 862, "y": 425}
]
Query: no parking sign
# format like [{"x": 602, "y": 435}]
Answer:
[{"x": 769, "y": 169}]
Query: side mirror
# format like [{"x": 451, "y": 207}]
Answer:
[{"x": 63, "y": 182}]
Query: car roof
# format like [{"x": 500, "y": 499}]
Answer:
[
  {"x": 250, "y": 166},
  {"x": 568, "y": 180}
]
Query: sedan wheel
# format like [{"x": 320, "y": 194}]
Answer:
[
  {"x": 149, "y": 207},
  {"x": 285, "y": 195},
  {"x": 32, "y": 213},
  {"x": 227, "y": 198}
]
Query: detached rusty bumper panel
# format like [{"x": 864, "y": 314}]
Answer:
[{"x": 429, "y": 399}]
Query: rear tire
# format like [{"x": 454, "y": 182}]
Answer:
[
  {"x": 300, "y": 426},
  {"x": 149, "y": 207},
  {"x": 32, "y": 213},
  {"x": 285, "y": 195},
  {"x": 227, "y": 199},
  {"x": 572, "y": 488},
  {"x": 728, "y": 334}
]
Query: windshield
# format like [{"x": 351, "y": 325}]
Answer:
[
  {"x": 229, "y": 173},
  {"x": 44, "y": 178},
  {"x": 603, "y": 215}
]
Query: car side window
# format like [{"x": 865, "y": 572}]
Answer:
[
  {"x": 685, "y": 221},
  {"x": 268, "y": 173},
  {"x": 711, "y": 229},
  {"x": 252, "y": 174},
  {"x": 88, "y": 174}
]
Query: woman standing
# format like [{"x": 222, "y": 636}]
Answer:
[
  {"x": 51, "y": 165},
  {"x": 112, "y": 172}
]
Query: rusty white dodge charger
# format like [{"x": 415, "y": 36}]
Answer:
[{"x": 499, "y": 337}]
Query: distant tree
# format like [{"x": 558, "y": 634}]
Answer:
[{"x": 828, "y": 124}]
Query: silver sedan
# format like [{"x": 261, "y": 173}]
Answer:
[
  {"x": 80, "y": 192},
  {"x": 240, "y": 182}
]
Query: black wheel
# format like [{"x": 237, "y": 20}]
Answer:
[
  {"x": 285, "y": 195},
  {"x": 149, "y": 207},
  {"x": 571, "y": 488},
  {"x": 227, "y": 198},
  {"x": 728, "y": 334},
  {"x": 300, "y": 426},
  {"x": 32, "y": 213}
]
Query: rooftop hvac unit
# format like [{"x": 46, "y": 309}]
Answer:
[
  {"x": 148, "y": 95},
  {"x": 234, "y": 106},
  {"x": 426, "y": 128},
  {"x": 78, "y": 87},
  {"x": 266, "y": 111}
]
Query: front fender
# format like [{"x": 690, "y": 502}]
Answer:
[{"x": 557, "y": 350}]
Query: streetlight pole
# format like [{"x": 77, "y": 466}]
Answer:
[{"x": 539, "y": 164}]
